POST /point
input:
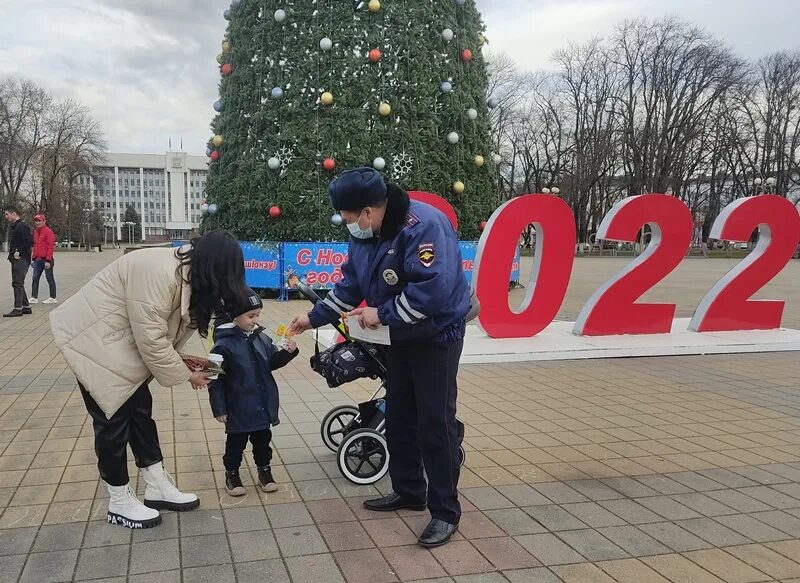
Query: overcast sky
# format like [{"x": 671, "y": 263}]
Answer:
[{"x": 147, "y": 68}]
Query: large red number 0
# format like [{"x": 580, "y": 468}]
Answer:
[
  {"x": 726, "y": 306},
  {"x": 612, "y": 308},
  {"x": 552, "y": 265}
]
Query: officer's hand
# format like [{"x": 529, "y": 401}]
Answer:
[
  {"x": 367, "y": 317},
  {"x": 299, "y": 325}
]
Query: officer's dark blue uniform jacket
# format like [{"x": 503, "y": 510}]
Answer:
[
  {"x": 247, "y": 393},
  {"x": 412, "y": 273}
]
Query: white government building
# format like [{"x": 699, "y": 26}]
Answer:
[{"x": 165, "y": 189}]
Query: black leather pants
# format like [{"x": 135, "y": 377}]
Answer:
[{"x": 132, "y": 423}]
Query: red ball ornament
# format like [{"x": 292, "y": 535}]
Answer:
[
  {"x": 375, "y": 55},
  {"x": 482, "y": 225},
  {"x": 466, "y": 55},
  {"x": 275, "y": 211},
  {"x": 226, "y": 69},
  {"x": 329, "y": 164},
  {"x": 215, "y": 155}
]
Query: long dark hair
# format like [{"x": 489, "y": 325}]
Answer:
[{"x": 216, "y": 274}]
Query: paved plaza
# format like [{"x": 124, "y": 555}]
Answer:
[{"x": 649, "y": 470}]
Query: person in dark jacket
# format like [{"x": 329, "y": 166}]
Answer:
[
  {"x": 20, "y": 242},
  {"x": 245, "y": 397},
  {"x": 405, "y": 262},
  {"x": 44, "y": 246}
]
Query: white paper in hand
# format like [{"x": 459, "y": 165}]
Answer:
[{"x": 379, "y": 336}]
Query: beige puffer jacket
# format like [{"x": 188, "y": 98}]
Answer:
[{"x": 125, "y": 326}]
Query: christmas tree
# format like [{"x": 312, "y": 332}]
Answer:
[{"x": 313, "y": 87}]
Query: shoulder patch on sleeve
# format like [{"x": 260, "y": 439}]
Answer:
[{"x": 427, "y": 254}]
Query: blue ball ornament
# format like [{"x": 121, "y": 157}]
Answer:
[
  {"x": 212, "y": 209},
  {"x": 227, "y": 15},
  {"x": 446, "y": 87},
  {"x": 236, "y": 3},
  {"x": 218, "y": 105},
  {"x": 277, "y": 93},
  {"x": 208, "y": 152}
]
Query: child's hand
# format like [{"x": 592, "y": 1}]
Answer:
[
  {"x": 222, "y": 418},
  {"x": 291, "y": 345}
]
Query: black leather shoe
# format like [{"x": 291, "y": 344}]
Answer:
[
  {"x": 13, "y": 314},
  {"x": 27, "y": 311},
  {"x": 393, "y": 502},
  {"x": 437, "y": 533}
]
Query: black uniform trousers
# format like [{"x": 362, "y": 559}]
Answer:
[
  {"x": 132, "y": 424},
  {"x": 19, "y": 269},
  {"x": 236, "y": 442},
  {"x": 421, "y": 428}
]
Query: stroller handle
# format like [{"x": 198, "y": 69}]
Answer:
[{"x": 308, "y": 292}]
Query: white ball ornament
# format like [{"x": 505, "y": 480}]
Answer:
[
  {"x": 452, "y": 138},
  {"x": 446, "y": 87},
  {"x": 326, "y": 44},
  {"x": 212, "y": 209},
  {"x": 274, "y": 163},
  {"x": 280, "y": 15},
  {"x": 496, "y": 159},
  {"x": 492, "y": 103},
  {"x": 472, "y": 113},
  {"x": 337, "y": 220},
  {"x": 277, "y": 93},
  {"x": 447, "y": 34},
  {"x": 379, "y": 163}
]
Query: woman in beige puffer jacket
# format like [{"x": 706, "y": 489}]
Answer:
[{"x": 123, "y": 329}]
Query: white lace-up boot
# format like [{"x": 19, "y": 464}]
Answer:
[
  {"x": 125, "y": 509},
  {"x": 161, "y": 492}
]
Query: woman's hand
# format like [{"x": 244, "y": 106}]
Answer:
[
  {"x": 199, "y": 379},
  {"x": 367, "y": 317},
  {"x": 300, "y": 324},
  {"x": 291, "y": 345},
  {"x": 222, "y": 418}
]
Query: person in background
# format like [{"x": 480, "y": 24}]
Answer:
[
  {"x": 123, "y": 329},
  {"x": 404, "y": 260},
  {"x": 44, "y": 245},
  {"x": 20, "y": 242},
  {"x": 245, "y": 398}
]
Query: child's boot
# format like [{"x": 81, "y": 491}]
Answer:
[
  {"x": 265, "y": 480},
  {"x": 233, "y": 483}
]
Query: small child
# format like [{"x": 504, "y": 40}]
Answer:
[{"x": 245, "y": 398}]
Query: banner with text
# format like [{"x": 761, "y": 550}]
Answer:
[{"x": 262, "y": 264}]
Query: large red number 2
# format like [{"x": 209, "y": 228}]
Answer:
[
  {"x": 552, "y": 265},
  {"x": 727, "y": 305},
  {"x": 612, "y": 308}
]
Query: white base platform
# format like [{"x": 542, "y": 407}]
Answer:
[{"x": 557, "y": 342}]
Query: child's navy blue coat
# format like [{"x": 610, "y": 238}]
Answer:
[{"x": 247, "y": 393}]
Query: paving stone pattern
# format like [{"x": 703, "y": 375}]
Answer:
[{"x": 630, "y": 471}]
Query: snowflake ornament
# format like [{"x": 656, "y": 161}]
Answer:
[
  {"x": 402, "y": 165},
  {"x": 285, "y": 156}
]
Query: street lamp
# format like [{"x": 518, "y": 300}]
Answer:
[
  {"x": 130, "y": 231},
  {"x": 546, "y": 190},
  {"x": 556, "y": 190},
  {"x": 764, "y": 186},
  {"x": 771, "y": 181}
]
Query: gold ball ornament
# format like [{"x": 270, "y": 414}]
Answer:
[
  {"x": 458, "y": 187},
  {"x": 479, "y": 161},
  {"x": 221, "y": 58},
  {"x": 374, "y": 5},
  {"x": 482, "y": 40},
  {"x": 218, "y": 140},
  {"x": 327, "y": 98},
  {"x": 226, "y": 46},
  {"x": 384, "y": 109}
]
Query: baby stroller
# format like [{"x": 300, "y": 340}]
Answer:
[{"x": 356, "y": 433}]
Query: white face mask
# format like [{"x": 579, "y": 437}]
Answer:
[{"x": 358, "y": 231}]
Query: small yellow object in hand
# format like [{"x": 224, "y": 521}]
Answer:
[{"x": 281, "y": 330}]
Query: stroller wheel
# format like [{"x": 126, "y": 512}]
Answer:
[
  {"x": 363, "y": 457},
  {"x": 463, "y": 454},
  {"x": 337, "y": 424}
]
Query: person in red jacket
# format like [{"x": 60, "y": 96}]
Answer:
[{"x": 44, "y": 244}]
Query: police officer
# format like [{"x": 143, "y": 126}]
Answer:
[{"x": 404, "y": 260}]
